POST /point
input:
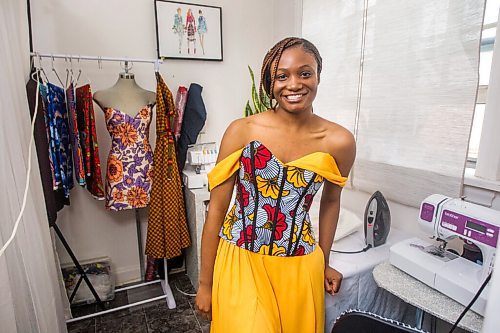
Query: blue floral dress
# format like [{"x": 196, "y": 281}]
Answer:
[{"x": 60, "y": 142}]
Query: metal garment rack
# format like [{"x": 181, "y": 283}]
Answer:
[{"x": 167, "y": 291}]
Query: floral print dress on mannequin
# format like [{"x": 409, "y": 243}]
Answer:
[{"x": 130, "y": 160}]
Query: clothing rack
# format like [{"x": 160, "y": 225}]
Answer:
[
  {"x": 94, "y": 58},
  {"x": 167, "y": 291}
]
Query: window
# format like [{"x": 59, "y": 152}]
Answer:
[{"x": 487, "y": 43}]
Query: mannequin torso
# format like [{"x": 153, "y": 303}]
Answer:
[
  {"x": 128, "y": 112},
  {"x": 126, "y": 95}
]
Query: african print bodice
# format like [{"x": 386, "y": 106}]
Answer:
[{"x": 270, "y": 214}]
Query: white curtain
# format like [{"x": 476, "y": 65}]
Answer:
[
  {"x": 335, "y": 27},
  {"x": 30, "y": 298},
  {"x": 415, "y": 93}
]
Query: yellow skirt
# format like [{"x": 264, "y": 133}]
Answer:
[{"x": 255, "y": 293}]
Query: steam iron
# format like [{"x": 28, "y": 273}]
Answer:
[{"x": 377, "y": 220}]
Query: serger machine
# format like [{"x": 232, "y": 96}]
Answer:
[{"x": 445, "y": 218}]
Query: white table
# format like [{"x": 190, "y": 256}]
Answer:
[
  {"x": 196, "y": 207},
  {"x": 424, "y": 297},
  {"x": 358, "y": 289}
]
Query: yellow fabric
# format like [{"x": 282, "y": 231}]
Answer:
[
  {"x": 323, "y": 164},
  {"x": 319, "y": 162},
  {"x": 224, "y": 169},
  {"x": 255, "y": 293}
]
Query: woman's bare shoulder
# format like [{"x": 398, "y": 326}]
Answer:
[
  {"x": 340, "y": 143},
  {"x": 242, "y": 131}
]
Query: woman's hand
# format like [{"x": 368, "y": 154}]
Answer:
[
  {"x": 333, "y": 279},
  {"x": 203, "y": 302}
]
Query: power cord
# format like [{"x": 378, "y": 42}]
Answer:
[
  {"x": 353, "y": 252},
  {"x": 184, "y": 293},
  {"x": 467, "y": 308}
]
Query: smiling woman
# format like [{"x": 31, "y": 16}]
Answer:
[{"x": 261, "y": 264}]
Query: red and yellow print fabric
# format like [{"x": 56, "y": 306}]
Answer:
[{"x": 270, "y": 214}]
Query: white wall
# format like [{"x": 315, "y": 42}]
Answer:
[{"x": 118, "y": 28}]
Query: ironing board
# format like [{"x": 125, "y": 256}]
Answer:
[
  {"x": 359, "y": 290},
  {"x": 424, "y": 297}
]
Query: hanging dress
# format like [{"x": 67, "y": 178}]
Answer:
[
  {"x": 90, "y": 147},
  {"x": 167, "y": 226},
  {"x": 54, "y": 200},
  {"x": 130, "y": 159},
  {"x": 44, "y": 91},
  {"x": 269, "y": 270},
  {"x": 75, "y": 136},
  {"x": 180, "y": 105},
  {"x": 60, "y": 141}
]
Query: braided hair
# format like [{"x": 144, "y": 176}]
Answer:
[{"x": 268, "y": 74}]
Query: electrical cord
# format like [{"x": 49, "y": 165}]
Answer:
[
  {"x": 23, "y": 206},
  {"x": 467, "y": 308},
  {"x": 352, "y": 252},
  {"x": 184, "y": 293}
]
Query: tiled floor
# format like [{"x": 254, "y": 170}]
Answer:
[{"x": 146, "y": 318}]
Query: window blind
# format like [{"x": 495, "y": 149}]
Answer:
[{"x": 413, "y": 71}]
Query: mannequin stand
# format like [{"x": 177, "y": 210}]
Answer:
[
  {"x": 167, "y": 291},
  {"x": 139, "y": 242},
  {"x": 164, "y": 282}
]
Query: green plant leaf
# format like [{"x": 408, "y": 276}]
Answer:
[
  {"x": 255, "y": 97},
  {"x": 248, "y": 110},
  {"x": 266, "y": 103},
  {"x": 255, "y": 100}
]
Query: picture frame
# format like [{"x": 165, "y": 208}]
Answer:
[{"x": 188, "y": 31}]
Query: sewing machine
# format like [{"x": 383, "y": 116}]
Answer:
[{"x": 445, "y": 218}]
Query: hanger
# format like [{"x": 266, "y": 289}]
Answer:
[
  {"x": 157, "y": 66},
  {"x": 55, "y": 72},
  {"x": 69, "y": 74},
  {"x": 80, "y": 73},
  {"x": 39, "y": 70},
  {"x": 127, "y": 66}
]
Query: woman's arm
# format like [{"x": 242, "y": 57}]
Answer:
[
  {"x": 328, "y": 217},
  {"x": 344, "y": 150},
  {"x": 220, "y": 197},
  {"x": 219, "y": 203}
]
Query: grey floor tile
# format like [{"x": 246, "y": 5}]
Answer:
[
  {"x": 133, "y": 323},
  {"x": 83, "y": 310},
  {"x": 150, "y": 317},
  {"x": 118, "y": 315},
  {"x": 173, "y": 322},
  {"x": 143, "y": 293},
  {"x": 82, "y": 326},
  {"x": 205, "y": 328}
]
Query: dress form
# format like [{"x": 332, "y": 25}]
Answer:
[
  {"x": 125, "y": 95},
  {"x": 129, "y": 98}
]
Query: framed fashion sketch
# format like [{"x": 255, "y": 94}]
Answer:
[{"x": 188, "y": 31}]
